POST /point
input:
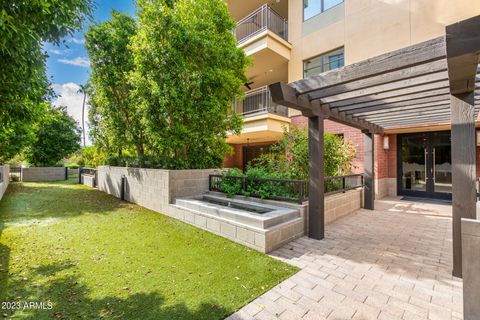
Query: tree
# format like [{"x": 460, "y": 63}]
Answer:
[
  {"x": 24, "y": 26},
  {"x": 187, "y": 71},
  {"x": 83, "y": 90},
  {"x": 57, "y": 136},
  {"x": 115, "y": 114},
  {"x": 288, "y": 158}
]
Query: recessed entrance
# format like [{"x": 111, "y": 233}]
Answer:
[{"x": 425, "y": 165}]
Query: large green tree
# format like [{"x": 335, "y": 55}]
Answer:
[
  {"x": 24, "y": 26},
  {"x": 187, "y": 71},
  {"x": 57, "y": 136},
  {"x": 115, "y": 117}
]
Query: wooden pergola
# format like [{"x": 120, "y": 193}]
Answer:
[{"x": 428, "y": 83}]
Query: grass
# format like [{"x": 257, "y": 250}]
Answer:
[{"x": 93, "y": 256}]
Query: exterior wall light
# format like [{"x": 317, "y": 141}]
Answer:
[{"x": 386, "y": 143}]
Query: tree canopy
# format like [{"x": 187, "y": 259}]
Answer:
[
  {"x": 115, "y": 117},
  {"x": 24, "y": 26},
  {"x": 187, "y": 71},
  {"x": 162, "y": 87},
  {"x": 56, "y": 136}
]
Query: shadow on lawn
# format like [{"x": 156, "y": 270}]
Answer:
[
  {"x": 27, "y": 203},
  {"x": 73, "y": 300}
]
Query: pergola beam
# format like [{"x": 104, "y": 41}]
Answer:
[
  {"x": 402, "y": 110},
  {"x": 411, "y": 56},
  {"x": 285, "y": 95},
  {"x": 411, "y": 115},
  {"x": 435, "y": 96},
  {"x": 389, "y": 90},
  {"x": 422, "y": 70}
]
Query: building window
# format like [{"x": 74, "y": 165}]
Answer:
[
  {"x": 313, "y": 7},
  {"x": 322, "y": 63}
]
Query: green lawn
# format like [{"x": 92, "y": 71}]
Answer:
[{"x": 96, "y": 257}]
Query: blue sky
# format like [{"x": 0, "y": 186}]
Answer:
[{"x": 68, "y": 64}]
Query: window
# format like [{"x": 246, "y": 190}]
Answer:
[
  {"x": 313, "y": 7},
  {"x": 327, "y": 61}
]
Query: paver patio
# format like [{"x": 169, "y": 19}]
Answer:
[{"x": 391, "y": 263}]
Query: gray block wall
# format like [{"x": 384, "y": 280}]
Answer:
[
  {"x": 471, "y": 268},
  {"x": 5, "y": 169},
  {"x": 154, "y": 189},
  {"x": 37, "y": 174},
  {"x": 157, "y": 190},
  {"x": 88, "y": 180}
]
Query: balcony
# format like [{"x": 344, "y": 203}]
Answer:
[
  {"x": 264, "y": 120},
  {"x": 258, "y": 101},
  {"x": 259, "y": 21}
]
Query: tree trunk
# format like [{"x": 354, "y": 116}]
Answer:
[{"x": 83, "y": 117}]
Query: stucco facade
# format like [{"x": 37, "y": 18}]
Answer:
[{"x": 363, "y": 29}]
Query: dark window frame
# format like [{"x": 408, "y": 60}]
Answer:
[
  {"x": 322, "y": 9},
  {"x": 322, "y": 56}
]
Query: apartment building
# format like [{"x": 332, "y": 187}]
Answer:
[{"x": 289, "y": 40}]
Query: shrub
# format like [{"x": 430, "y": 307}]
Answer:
[
  {"x": 230, "y": 184},
  {"x": 92, "y": 157},
  {"x": 289, "y": 157}
]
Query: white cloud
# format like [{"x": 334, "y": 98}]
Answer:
[
  {"x": 78, "y": 61},
  {"x": 77, "y": 40},
  {"x": 60, "y": 52},
  {"x": 69, "y": 97}
]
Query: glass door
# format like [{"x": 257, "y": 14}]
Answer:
[
  {"x": 413, "y": 163},
  {"x": 442, "y": 163},
  {"x": 424, "y": 165}
]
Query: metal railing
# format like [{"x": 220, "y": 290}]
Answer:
[
  {"x": 281, "y": 189},
  {"x": 15, "y": 174},
  {"x": 275, "y": 189},
  {"x": 339, "y": 184},
  {"x": 258, "y": 101},
  {"x": 264, "y": 18}
]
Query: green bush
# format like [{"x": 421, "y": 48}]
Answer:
[
  {"x": 230, "y": 183},
  {"x": 289, "y": 157}
]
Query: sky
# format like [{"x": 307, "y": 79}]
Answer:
[{"x": 68, "y": 65}]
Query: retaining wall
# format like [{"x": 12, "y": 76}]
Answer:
[
  {"x": 157, "y": 190},
  {"x": 5, "y": 172},
  {"x": 339, "y": 205},
  {"x": 43, "y": 174},
  {"x": 88, "y": 180}
]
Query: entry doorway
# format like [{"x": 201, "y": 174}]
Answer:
[
  {"x": 251, "y": 153},
  {"x": 425, "y": 165}
]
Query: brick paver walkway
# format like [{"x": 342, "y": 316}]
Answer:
[{"x": 391, "y": 263}]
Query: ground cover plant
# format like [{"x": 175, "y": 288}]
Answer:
[{"x": 93, "y": 256}]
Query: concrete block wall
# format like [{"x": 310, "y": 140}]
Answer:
[
  {"x": 154, "y": 189},
  {"x": 471, "y": 268},
  {"x": 339, "y": 205},
  {"x": 157, "y": 190},
  {"x": 5, "y": 169},
  {"x": 43, "y": 174},
  {"x": 88, "y": 180}
]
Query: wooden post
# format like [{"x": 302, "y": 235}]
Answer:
[
  {"x": 368, "y": 163},
  {"x": 463, "y": 169},
  {"x": 316, "y": 206}
]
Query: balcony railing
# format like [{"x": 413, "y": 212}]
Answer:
[
  {"x": 264, "y": 18},
  {"x": 259, "y": 101}
]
